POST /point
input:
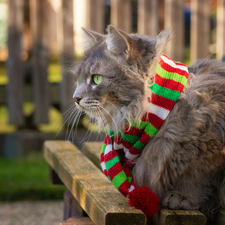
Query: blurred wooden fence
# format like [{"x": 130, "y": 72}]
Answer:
[{"x": 121, "y": 17}]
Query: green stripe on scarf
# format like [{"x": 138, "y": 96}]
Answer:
[
  {"x": 151, "y": 130},
  {"x": 171, "y": 76},
  {"x": 166, "y": 92},
  {"x": 140, "y": 125},
  {"x": 109, "y": 164},
  {"x": 139, "y": 145},
  {"x": 119, "y": 179},
  {"x": 130, "y": 138},
  {"x": 103, "y": 148}
]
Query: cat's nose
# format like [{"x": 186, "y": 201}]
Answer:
[{"x": 77, "y": 99}]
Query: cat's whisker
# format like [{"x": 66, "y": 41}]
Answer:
[
  {"x": 69, "y": 120},
  {"x": 74, "y": 122},
  {"x": 103, "y": 119},
  {"x": 112, "y": 105},
  {"x": 78, "y": 119},
  {"x": 110, "y": 116},
  {"x": 99, "y": 127},
  {"x": 68, "y": 111},
  {"x": 99, "y": 120},
  {"x": 73, "y": 119},
  {"x": 88, "y": 129}
]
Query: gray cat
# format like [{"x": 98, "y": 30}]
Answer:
[{"x": 184, "y": 163}]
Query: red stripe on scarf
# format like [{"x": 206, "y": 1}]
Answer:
[
  {"x": 153, "y": 119},
  {"x": 170, "y": 84},
  {"x": 162, "y": 102},
  {"x": 124, "y": 188},
  {"x": 132, "y": 131},
  {"x": 171, "y": 69},
  {"x": 113, "y": 171},
  {"x": 127, "y": 144},
  {"x": 110, "y": 155}
]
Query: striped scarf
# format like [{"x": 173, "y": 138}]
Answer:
[{"x": 119, "y": 150}]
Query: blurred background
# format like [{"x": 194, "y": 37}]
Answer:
[{"x": 39, "y": 44}]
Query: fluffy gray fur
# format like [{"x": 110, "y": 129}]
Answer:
[{"x": 184, "y": 163}]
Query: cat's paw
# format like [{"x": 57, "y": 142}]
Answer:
[{"x": 175, "y": 200}]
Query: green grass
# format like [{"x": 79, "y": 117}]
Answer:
[{"x": 27, "y": 179}]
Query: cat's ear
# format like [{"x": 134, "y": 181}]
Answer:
[
  {"x": 117, "y": 41},
  {"x": 91, "y": 38},
  {"x": 162, "y": 39}
]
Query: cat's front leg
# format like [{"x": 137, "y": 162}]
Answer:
[{"x": 176, "y": 200}]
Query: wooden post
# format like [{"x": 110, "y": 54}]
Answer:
[
  {"x": 71, "y": 207},
  {"x": 148, "y": 17},
  {"x": 220, "y": 36},
  {"x": 54, "y": 25},
  {"x": 199, "y": 29},
  {"x": 95, "y": 15},
  {"x": 174, "y": 18},
  {"x": 121, "y": 16},
  {"x": 14, "y": 64},
  {"x": 67, "y": 57},
  {"x": 39, "y": 29}
]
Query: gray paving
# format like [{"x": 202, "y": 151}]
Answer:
[{"x": 31, "y": 213}]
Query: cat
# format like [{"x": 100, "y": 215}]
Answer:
[{"x": 184, "y": 163}]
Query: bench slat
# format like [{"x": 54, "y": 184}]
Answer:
[
  {"x": 220, "y": 218},
  {"x": 164, "y": 217},
  {"x": 94, "y": 192},
  {"x": 178, "y": 217}
]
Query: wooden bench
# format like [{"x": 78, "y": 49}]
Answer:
[{"x": 103, "y": 203}]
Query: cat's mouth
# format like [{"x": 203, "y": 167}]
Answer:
[
  {"x": 97, "y": 109},
  {"x": 90, "y": 106}
]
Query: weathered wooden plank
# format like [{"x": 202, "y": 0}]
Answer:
[
  {"x": 94, "y": 192},
  {"x": 67, "y": 58},
  {"x": 164, "y": 217},
  {"x": 148, "y": 22},
  {"x": 199, "y": 29},
  {"x": 178, "y": 217},
  {"x": 14, "y": 63},
  {"x": 95, "y": 15},
  {"x": 174, "y": 18},
  {"x": 78, "y": 221},
  {"x": 92, "y": 151},
  {"x": 121, "y": 16},
  {"x": 39, "y": 29},
  {"x": 220, "y": 36},
  {"x": 220, "y": 217}
]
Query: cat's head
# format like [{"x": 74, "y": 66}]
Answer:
[{"x": 112, "y": 79}]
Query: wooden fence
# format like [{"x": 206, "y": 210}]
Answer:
[{"x": 148, "y": 12}]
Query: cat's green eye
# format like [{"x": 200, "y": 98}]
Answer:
[{"x": 97, "y": 78}]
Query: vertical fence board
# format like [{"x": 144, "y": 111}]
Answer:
[
  {"x": 67, "y": 58},
  {"x": 121, "y": 14},
  {"x": 174, "y": 18},
  {"x": 148, "y": 17},
  {"x": 95, "y": 15},
  {"x": 39, "y": 28},
  {"x": 14, "y": 64},
  {"x": 199, "y": 29},
  {"x": 220, "y": 36}
]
